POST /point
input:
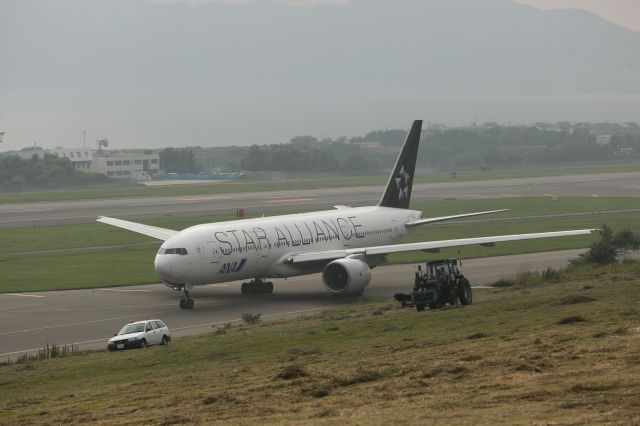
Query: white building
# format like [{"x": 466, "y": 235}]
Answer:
[
  {"x": 126, "y": 165},
  {"x": 112, "y": 164}
]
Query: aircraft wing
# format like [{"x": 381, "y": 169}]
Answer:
[
  {"x": 148, "y": 230},
  {"x": 428, "y": 245},
  {"x": 444, "y": 218}
]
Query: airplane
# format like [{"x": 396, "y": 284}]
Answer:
[{"x": 344, "y": 244}]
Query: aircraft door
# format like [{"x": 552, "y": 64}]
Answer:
[{"x": 214, "y": 252}]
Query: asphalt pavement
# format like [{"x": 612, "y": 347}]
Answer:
[
  {"x": 86, "y": 211},
  {"x": 88, "y": 318}
]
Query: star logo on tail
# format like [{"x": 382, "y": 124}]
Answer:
[{"x": 402, "y": 182}]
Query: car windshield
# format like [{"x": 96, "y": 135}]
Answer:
[{"x": 132, "y": 328}]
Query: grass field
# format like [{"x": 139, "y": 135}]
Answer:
[
  {"x": 108, "y": 256},
  {"x": 226, "y": 187},
  {"x": 562, "y": 352}
]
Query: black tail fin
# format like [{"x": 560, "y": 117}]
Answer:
[{"x": 398, "y": 192}]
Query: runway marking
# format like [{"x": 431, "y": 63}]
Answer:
[
  {"x": 26, "y": 211},
  {"x": 23, "y": 295},
  {"x": 28, "y": 330},
  {"x": 124, "y": 291},
  {"x": 161, "y": 204},
  {"x": 294, "y": 200},
  {"x": 207, "y": 198}
]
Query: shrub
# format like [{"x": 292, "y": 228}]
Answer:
[
  {"x": 251, "y": 318},
  {"x": 504, "y": 282},
  {"x": 572, "y": 319},
  {"x": 606, "y": 250},
  {"x": 551, "y": 274},
  {"x": 292, "y": 372}
]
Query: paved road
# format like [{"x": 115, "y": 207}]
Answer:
[
  {"x": 89, "y": 317},
  {"x": 47, "y": 213}
]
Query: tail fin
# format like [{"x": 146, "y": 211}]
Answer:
[{"x": 398, "y": 191}]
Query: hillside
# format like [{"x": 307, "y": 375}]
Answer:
[
  {"x": 560, "y": 351},
  {"x": 437, "y": 46}
]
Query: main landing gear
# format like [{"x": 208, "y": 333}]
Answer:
[
  {"x": 185, "y": 301},
  {"x": 257, "y": 286}
]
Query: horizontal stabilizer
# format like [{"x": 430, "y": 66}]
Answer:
[
  {"x": 445, "y": 218},
  {"x": 148, "y": 230}
]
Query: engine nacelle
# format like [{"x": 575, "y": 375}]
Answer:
[{"x": 346, "y": 276}]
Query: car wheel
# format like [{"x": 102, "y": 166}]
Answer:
[
  {"x": 165, "y": 340},
  {"x": 143, "y": 343}
]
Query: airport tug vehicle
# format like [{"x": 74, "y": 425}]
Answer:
[{"x": 443, "y": 282}]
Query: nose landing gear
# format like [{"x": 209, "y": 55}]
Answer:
[
  {"x": 257, "y": 286},
  {"x": 185, "y": 301}
]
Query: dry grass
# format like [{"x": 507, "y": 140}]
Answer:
[{"x": 506, "y": 359}]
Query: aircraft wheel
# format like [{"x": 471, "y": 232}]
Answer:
[
  {"x": 244, "y": 288},
  {"x": 190, "y": 304},
  {"x": 269, "y": 287},
  {"x": 183, "y": 303}
]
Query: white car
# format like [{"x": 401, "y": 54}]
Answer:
[{"x": 140, "y": 334}]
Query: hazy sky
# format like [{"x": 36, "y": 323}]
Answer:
[
  {"x": 622, "y": 12},
  {"x": 147, "y": 75}
]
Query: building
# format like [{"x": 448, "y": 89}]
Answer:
[
  {"x": 112, "y": 164},
  {"x": 81, "y": 158},
  {"x": 120, "y": 165}
]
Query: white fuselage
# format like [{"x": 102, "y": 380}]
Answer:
[{"x": 258, "y": 248}]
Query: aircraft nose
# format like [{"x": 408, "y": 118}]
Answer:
[{"x": 163, "y": 266}]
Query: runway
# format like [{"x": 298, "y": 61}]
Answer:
[
  {"x": 87, "y": 318},
  {"x": 86, "y": 211}
]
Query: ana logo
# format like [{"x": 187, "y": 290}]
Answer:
[
  {"x": 230, "y": 267},
  {"x": 402, "y": 182}
]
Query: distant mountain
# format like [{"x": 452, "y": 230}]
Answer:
[{"x": 495, "y": 46}]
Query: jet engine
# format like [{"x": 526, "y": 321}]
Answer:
[{"x": 346, "y": 276}]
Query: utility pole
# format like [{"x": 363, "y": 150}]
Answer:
[{"x": 84, "y": 138}]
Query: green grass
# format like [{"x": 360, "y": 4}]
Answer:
[
  {"x": 226, "y": 187},
  {"x": 370, "y": 363},
  {"x": 126, "y": 258},
  {"x": 19, "y": 240}
]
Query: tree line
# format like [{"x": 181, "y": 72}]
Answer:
[
  {"x": 449, "y": 149},
  {"x": 18, "y": 174}
]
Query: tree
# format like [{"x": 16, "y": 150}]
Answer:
[
  {"x": 606, "y": 250},
  {"x": 178, "y": 160}
]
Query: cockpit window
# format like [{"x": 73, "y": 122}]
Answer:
[{"x": 180, "y": 251}]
